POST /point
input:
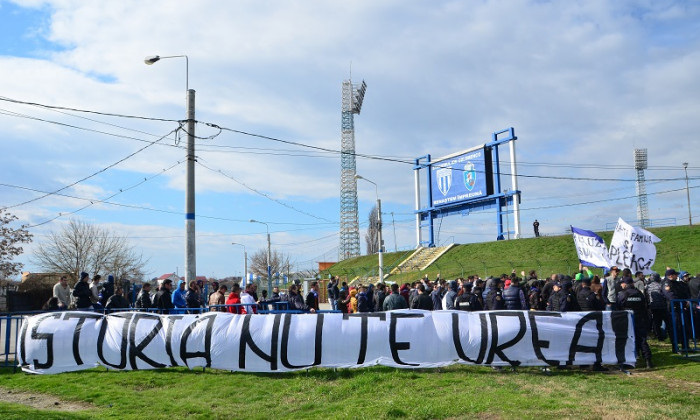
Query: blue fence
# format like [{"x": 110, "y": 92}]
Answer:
[{"x": 685, "y": 325}]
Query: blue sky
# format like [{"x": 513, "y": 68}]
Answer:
[{"x": 582, "y": 83}]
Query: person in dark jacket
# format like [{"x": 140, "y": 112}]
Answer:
[
  {"x": 117, "y": 300},
  {"x": 394, "y": 300},
  {"x": 436, "y": 296},
  {"x": 162, "y": 300},
  {"x": 379, "y": 297},
  {"x": 629, "y": 298},
  {"x": 494, "y": 300},
  {"x": 555, "y": 298},
  {"x": 469, "y": 300},
  {"x": 514, "y": 297},
  {"x": 587, "y": 299},
  {"x": 107, "y": 290},
  {"x": 82, "y": 293},
  {"x": 363, "y": 302},
  {"x": 422, "y": 300},
  {"x": 193, "y": 297},
  {"x": 143, "y": 300},
  {"x": 569, "y": 302},
  {"x": 333, "y": 293},
  {"x": 296, "y": 302},
  {"x": 312, "y": 296},
  {"x": 658, "y": 306}
]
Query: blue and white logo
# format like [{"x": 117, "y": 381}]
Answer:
[
  {"x": 444, "y": 180},
  {"x": 469, "y": 176}
]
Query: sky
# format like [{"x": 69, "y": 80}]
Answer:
[{"x": 583, "y": 83}]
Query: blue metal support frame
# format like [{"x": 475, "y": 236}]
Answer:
[{"x": 498, "y": 198}]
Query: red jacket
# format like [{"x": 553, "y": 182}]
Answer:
[{"x": 233, "y": 299}]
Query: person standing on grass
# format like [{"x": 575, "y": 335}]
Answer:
[
  {"x": 632, "y": 299},
  {"x": 536, "y": 227}
]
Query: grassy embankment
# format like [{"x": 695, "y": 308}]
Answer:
[{"x": 679, "y": 248}]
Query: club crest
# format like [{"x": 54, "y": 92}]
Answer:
[
  {"x": 444, "y": 180},
  {"x": 469, "y": 176}
]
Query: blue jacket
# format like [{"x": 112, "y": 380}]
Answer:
[{"x": 179, "y": 296}]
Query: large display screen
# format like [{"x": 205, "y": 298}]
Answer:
[{"x": 461, "y": 177}]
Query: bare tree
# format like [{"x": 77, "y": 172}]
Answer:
[
  {"x": 80, "y": 246},
  {"x": 9, "y": 240},
  {"x": 258, "y": 262},
  {"x": 371, "y": 237}
]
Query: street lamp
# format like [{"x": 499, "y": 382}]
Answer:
[
  {"x": 687, "y": 191},
  {"x": 190, "y": 247},
  {"x": 245, "y": 263},
  {"x": 379, "y": 228},
  {"x": 269, "y": 267}
]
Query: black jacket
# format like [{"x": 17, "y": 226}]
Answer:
[
  {"x": 82, "y": 294},
  {"x": 162, "y": 300},
  {"x": 143, "y": 300},
  {"x": 422, "y": 301}
]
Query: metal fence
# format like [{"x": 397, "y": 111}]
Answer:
[{"x": 685, "y": 325}]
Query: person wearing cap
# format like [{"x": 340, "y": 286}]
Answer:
[
  {"x": 658, "y": 306},
  {"x": 82, "y": 293},
  {"x": 633, "y": 300},
  {"x": 569, "y": 303}
]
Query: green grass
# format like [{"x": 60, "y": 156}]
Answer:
[
  {"x": 679, "y": 248},
  {"x": 672, "y": 390}
]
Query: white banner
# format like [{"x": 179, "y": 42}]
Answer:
[
  {"x": 633, "y": 248},
  {"x": 590, "y": 248},
  {"x": 69, "y": 341}
]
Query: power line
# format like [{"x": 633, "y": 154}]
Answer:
[
  {"x": 108, "y": 114},
  {"x": 265, "y": 195},
  {"x": 92, "y": 202},
  {"x": 94, "y": 173}
]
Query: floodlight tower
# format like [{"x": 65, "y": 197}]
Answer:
[
  {"x": 349, "y": 223},
  {"x": 640, "y": 164}
]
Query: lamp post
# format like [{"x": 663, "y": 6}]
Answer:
[
  {"x": 269, "y": 267},
  {"x": 687, "y": 191},
  {"x": 190, "y": 246},
  {"x": 379, "y": 228},
  {"x": 245, "y": 262}
]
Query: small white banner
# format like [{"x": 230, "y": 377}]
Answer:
[
  {"x": 633, "y": 248},
  {"x": 590, "y": 248},
  {"x": 69, "y": 341}
]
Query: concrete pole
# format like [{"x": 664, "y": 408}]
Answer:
[
  {"x": 190, "y": 246},
  {"x": 269, "y": 267},
  {"x": 687, "y": 191},
  {"x": 381, "y": 243}
]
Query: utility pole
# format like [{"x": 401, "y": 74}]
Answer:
[{"x": 687, "y": 191}]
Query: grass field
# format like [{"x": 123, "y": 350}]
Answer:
[
  {"x": 670, "y": 390},
  {"x": 679, "y": 248}
]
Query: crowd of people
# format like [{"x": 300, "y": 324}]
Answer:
[{"x": 648, "y": 297}]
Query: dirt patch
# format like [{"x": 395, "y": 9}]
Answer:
[{"x": 41, "y": 401}]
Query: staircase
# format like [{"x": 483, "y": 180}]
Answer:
[{"x": 421, "y": 259}]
